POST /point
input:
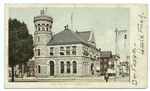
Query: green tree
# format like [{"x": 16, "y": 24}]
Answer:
[
  {"x": 26, "y": 68},
  {"x": 20, "y": 44}
]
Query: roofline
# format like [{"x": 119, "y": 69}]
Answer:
[
  {"x": 105, "y": 51},
  {"x": 67, "y": 43},
  {"x": 82, "y": 32},
  {"x": 74, "y": 43}
]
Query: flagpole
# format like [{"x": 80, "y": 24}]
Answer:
[{"x": 72, "y": 20}]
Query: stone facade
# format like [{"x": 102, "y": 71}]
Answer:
[{"x": 68, "y": 59}]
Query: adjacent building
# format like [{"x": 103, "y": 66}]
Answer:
[
  {"x": 31, "y": 65},
  {"x": 17, "y": 71},
  {"x": 111, "y": 62},
  {"x": 66, "y": 53},
  {"x": 105, "y": 57}
]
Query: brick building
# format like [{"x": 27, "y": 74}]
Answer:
[
  {"x": 31, "y": 65},
  {"x": 111, "y": 62},
  {"x": 105, "y": 60},
  {"x": 66, "y": 53}
]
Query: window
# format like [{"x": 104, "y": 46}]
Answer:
[
  {"x": 101, "y": 66},
  {"x": 39, "y": 27},
  {"x": 74, "y": 67},
  {"x": 47, "y": 27},
  {"x": 74, "y": 50},
  {"x": 39, "y": 69},
  {"x": 43, "y": 27},
  {"x": 50, "y": 27},
  {"x": 68, "y": 50},
  {"x": 62, "y": 67},
  {"x": 35, "y": 27},
  {"x": 85, "y": 51},
  {"x": 35, "y": 52},
  {"x": 38, "y": 52},
  {"x": 105, "y": 66},
  {"x": 61, "y": 50},
  {"x": 38, "y": 39},
  {"x": 68, "y": 67},
  {"x": 51, "y": 48},
  {"x": 109, "y": 62},
  {"x": 51, "y": 51},
  {"x": 105, "y": 60},
  {"x": 61, "y": 53}
]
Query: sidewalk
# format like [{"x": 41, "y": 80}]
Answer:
[
  {"x": 64, "y": 78},
  {"x": 71, "y": 79}
]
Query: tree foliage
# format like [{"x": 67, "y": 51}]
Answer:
[{"x": 20, "y": 43}]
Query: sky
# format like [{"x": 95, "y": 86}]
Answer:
[{"x": 102, "y": 20}]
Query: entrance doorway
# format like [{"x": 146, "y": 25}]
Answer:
[
  {"x": 51, "y": 68},
  {"x": 92, "y": 69}
]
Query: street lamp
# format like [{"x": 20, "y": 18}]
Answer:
[{"x": 116, "y": 46}]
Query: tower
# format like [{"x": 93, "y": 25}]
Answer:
[{"x": 42, "y": 34}]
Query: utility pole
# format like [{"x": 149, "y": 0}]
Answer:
[
  {"x": 116, "y": 55},
  {"x": 116, "y": 46}
]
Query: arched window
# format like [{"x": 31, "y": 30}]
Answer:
[
  {"x": 47, "y": 27},
  {"x": 62, "y": 67},
  {"x": 74, "y": 67},
  {"x": 92, "y": 67},
  {"x": 39, "y": 69},
  {"x": 35, "y": 28},
  {"x": 43, "y": 27},
  {"x": 38, "y": 52},
  {"x": 39, "y": 27},
  {"x": 68, "y": 67},
  {"x": 38, "y": 39},
  {"x": 50, "y": 27}
]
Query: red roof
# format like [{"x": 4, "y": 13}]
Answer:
[{"x": 31, "y": 63}]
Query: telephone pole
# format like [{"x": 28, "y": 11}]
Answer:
[{"x": 116, "y": 46}]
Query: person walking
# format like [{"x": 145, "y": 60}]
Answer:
[{"x": 106, "y": 77}]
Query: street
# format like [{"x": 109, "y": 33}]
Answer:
[{"x": 70, "y": 79}]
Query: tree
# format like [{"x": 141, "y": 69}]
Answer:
[{"x": 20, "y": 44}]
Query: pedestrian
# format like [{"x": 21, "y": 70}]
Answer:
[{"x": 106, "y": 77}]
